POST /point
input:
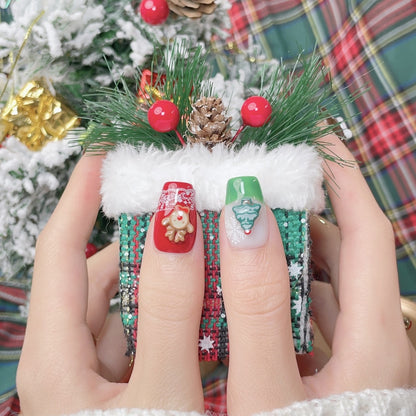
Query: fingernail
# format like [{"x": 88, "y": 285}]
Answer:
[
  {"x": 175, "y": 218},
  {"x": 245, "y": 213},
  {"x": 320, "y": 219}
]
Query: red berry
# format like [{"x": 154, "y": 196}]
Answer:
[
  {"x": 90, "y": 250},
  {"x": 163, "y": 116},
  {"x": 256, "y": 111},
  {"x": 154, "y": 12}
]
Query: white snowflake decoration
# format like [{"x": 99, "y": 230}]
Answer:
[
  {"x": 206, "y": 344},
  {"x": 297, "y": 305},
  {"x": 295, "y": 270}
]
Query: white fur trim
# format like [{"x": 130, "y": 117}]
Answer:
[{"x": 290, "y": 176}]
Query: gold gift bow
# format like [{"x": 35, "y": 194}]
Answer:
[{"x": 36, "y": 117}]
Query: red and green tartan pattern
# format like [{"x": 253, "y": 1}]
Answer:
[
  {"x": 215, "y": 391},
  {"x": 213, "y": 321},
  {"x": 368, "y": 45},
  {"x": 12, "y": 330},
  {"x": 213, "y": 344}
]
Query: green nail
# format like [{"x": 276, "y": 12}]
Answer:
[
  {"x": 244, "y": 213},
  {"x": 243, "y": 187}
]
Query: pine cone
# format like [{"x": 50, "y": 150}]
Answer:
[
  {"x": 192, "y": 8},
  {"x": 207, "y": 122}
]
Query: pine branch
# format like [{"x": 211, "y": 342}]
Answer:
[
  {"x": 116, "y": 116},
  {"x": 301, "y": 98}
]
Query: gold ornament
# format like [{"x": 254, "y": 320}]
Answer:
[
  {"x": 150, "y": 83},
  {"x": 193, "y": 9},
  {"x": 5, "y": 127},
  {"x": 36, "y": 117}
]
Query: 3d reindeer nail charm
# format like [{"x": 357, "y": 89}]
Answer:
[
  {"x": 177, "y": 224},
  {"x": 175, "y": 218}
]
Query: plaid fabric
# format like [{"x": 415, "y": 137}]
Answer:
[
  {"x": 215, "y": 391},
  {"x": 12, "y": 328},
  {"x": 367, "y": 44}
]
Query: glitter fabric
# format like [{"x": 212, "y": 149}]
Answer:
[{"x": 213, "y": 337}]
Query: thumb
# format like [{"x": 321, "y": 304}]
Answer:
[{"x": 263, "y": 373}]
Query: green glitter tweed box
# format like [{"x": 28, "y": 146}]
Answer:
[{"x": 291, "y": 181}]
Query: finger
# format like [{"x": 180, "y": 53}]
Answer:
[
  {"x": 56, "y": 325},
  {"x": 103, "y": 272},
  {"x": 326, "y": 245},
  {"x": 369, "y": 325},
  {"x": 263, "y": 373},
  {"x": 166, "y": 371},
  {"x": 367, "y": 259},
  {"x": 107, "y": 329},
  {"x": 324, "y": 308},
  {"x": 60, "y": 276},
  {"x": 111, "y": 348}
]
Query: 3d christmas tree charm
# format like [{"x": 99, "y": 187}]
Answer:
[{"x": 246, "y": 213}]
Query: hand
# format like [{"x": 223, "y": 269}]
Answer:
[
  {"x": 73, "y": 353},
  {"x": 69, "y": 305},
  {"x": 359, "y": 313}
]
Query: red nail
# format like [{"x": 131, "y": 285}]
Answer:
[{"x": 175, "y": 218}]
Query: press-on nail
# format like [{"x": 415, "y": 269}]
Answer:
[
  {"x": 175, "y": 218},
  {"x": 245, "y": 213}
]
